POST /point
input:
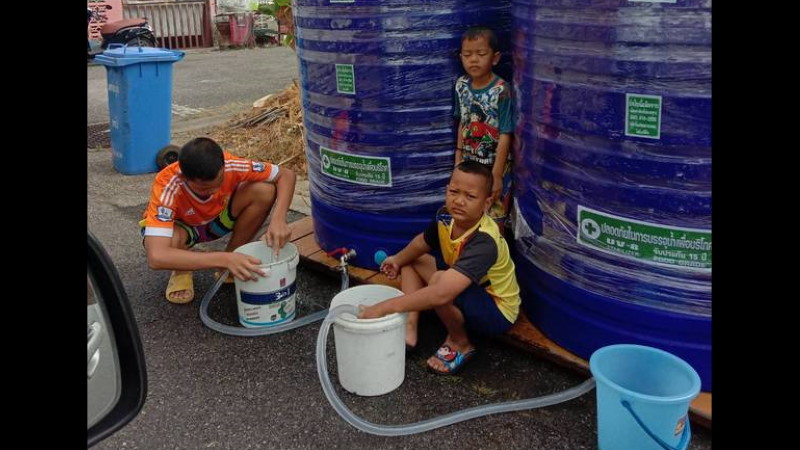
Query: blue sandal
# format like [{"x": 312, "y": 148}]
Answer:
[{"x": 453, "y": 360}]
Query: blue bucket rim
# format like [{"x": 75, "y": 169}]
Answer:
[{"x": 693, "y": 391}]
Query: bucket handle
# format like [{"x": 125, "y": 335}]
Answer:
[
  {"x": 682, "y": 445},
  {"x": 293, "y": 262}
]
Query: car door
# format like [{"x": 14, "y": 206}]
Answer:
[{"x": 116, "y": 374}]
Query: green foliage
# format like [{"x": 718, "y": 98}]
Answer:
[
  {"x": 281, "y": 10},
  {"x": 268, "y": 9},
  {"x": 272, "y": 8}
]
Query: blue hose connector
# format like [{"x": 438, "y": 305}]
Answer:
[{"x": 380, "y": 255}]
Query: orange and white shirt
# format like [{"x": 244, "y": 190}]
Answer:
[{"x": 171, "y": 199}]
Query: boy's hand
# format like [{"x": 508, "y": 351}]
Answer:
[
  {"x": 244, "y": 267},
  {"x": 369, "y": 312},
  {"x": 277, "y": 235},
  {"x": 497, "y": 187},
  {"x": 390, "y": 267}
]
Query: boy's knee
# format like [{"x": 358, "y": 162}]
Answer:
[
  {"x": 265, "y": 193},
  {"x": 258, "y": 192},
  {"x": 436, "y": 276},
  {"x": 408, "y": 270}
]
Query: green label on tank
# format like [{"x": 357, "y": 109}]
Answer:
[
  {"x": 643, "y": 115},
  {"x": 356, "y": 169},
  {"x": 647, "y": 242},
  {"x": 345, "y": 80}
]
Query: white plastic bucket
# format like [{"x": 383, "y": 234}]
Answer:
[
  {"x": 370, "y": 353},
  {"x": 269, "y": 300}
]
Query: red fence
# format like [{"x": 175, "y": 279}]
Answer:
[{"x": 176, "y": 24}]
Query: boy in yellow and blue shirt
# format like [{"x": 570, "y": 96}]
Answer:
[{"x": 459, "y": 266}]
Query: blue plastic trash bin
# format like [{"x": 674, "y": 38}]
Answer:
[{"x": 139, "y": 104}]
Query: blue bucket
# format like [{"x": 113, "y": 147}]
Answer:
[{"x": 643, "y": 397}]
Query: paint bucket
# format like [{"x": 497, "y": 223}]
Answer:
[
  {"x": 269, "y": 300},
  {"x": 643, "y": 397},
  {"x": 370, "y": 353}
]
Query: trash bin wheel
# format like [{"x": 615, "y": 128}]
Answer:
[{"x": 167, "y": 156}]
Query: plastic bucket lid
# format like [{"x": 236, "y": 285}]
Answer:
[{"x": 126, "y": 55}]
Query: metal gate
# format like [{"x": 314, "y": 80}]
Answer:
[{"x": 176, "y": 24}]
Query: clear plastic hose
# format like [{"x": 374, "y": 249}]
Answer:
[
  {"x": 261, "y": 331},
  {"x": 336, "y": 402},
  {"x": 436, "y": 422}
]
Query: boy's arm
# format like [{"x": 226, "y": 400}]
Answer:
[
  {"x": 477, "y": 257},
  {"x": 278, "y": 231},
  {"x": 505, "y": 119},
  {"x": 447, "y": 287},
  {"x": 459, "y": 143},
  {"x": 503, "y": 146},
  {"x": 459, "y": 130},
  {"x": 416, "y": 248},
  {"x": 161, "y": 255}
]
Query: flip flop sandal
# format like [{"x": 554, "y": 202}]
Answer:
[
  {"x": 453, "y": 360},
  {"x": 180, "y": 281}
]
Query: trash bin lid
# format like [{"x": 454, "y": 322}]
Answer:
[{"x": 126, "y": 55}]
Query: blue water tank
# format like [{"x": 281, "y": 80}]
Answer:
[
  {"x": 613, "y": 173},
  {"x": 377, "y": 81}
]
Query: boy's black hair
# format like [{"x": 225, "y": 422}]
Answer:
[
  {"x": 476, "y": 32},
  {"x": 201, "y": 159},
  {"x": 474, "y": 167}
]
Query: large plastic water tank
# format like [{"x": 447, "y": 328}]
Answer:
[
  {"x": 377, "y": 81},
  {"x": 613, "y": 173}
]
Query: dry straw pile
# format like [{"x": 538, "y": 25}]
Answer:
[{"x": 272, "y": 131}]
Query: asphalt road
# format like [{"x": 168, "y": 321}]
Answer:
[{"x": 209, "y": 82}]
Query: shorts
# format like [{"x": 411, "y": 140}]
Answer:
[
  {"x": 211, "y": 231},
  {"x": 481, "y": 313}
]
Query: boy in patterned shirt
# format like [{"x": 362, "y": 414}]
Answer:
[{"x": 484, "y": 113}]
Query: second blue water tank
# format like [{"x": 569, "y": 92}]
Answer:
[{"x": 613, "y": 173}]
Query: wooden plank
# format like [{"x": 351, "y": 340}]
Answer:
[
  {"x": 301, "y": 228},
  {"x": 523, "y": 332},
  {"x": 307, "y": 246},
  {"x": 357, "y": 274},
  {"x": 700, "y": 410}
]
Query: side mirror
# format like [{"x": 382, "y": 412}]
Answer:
[{"x": 116, "y": 373}]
